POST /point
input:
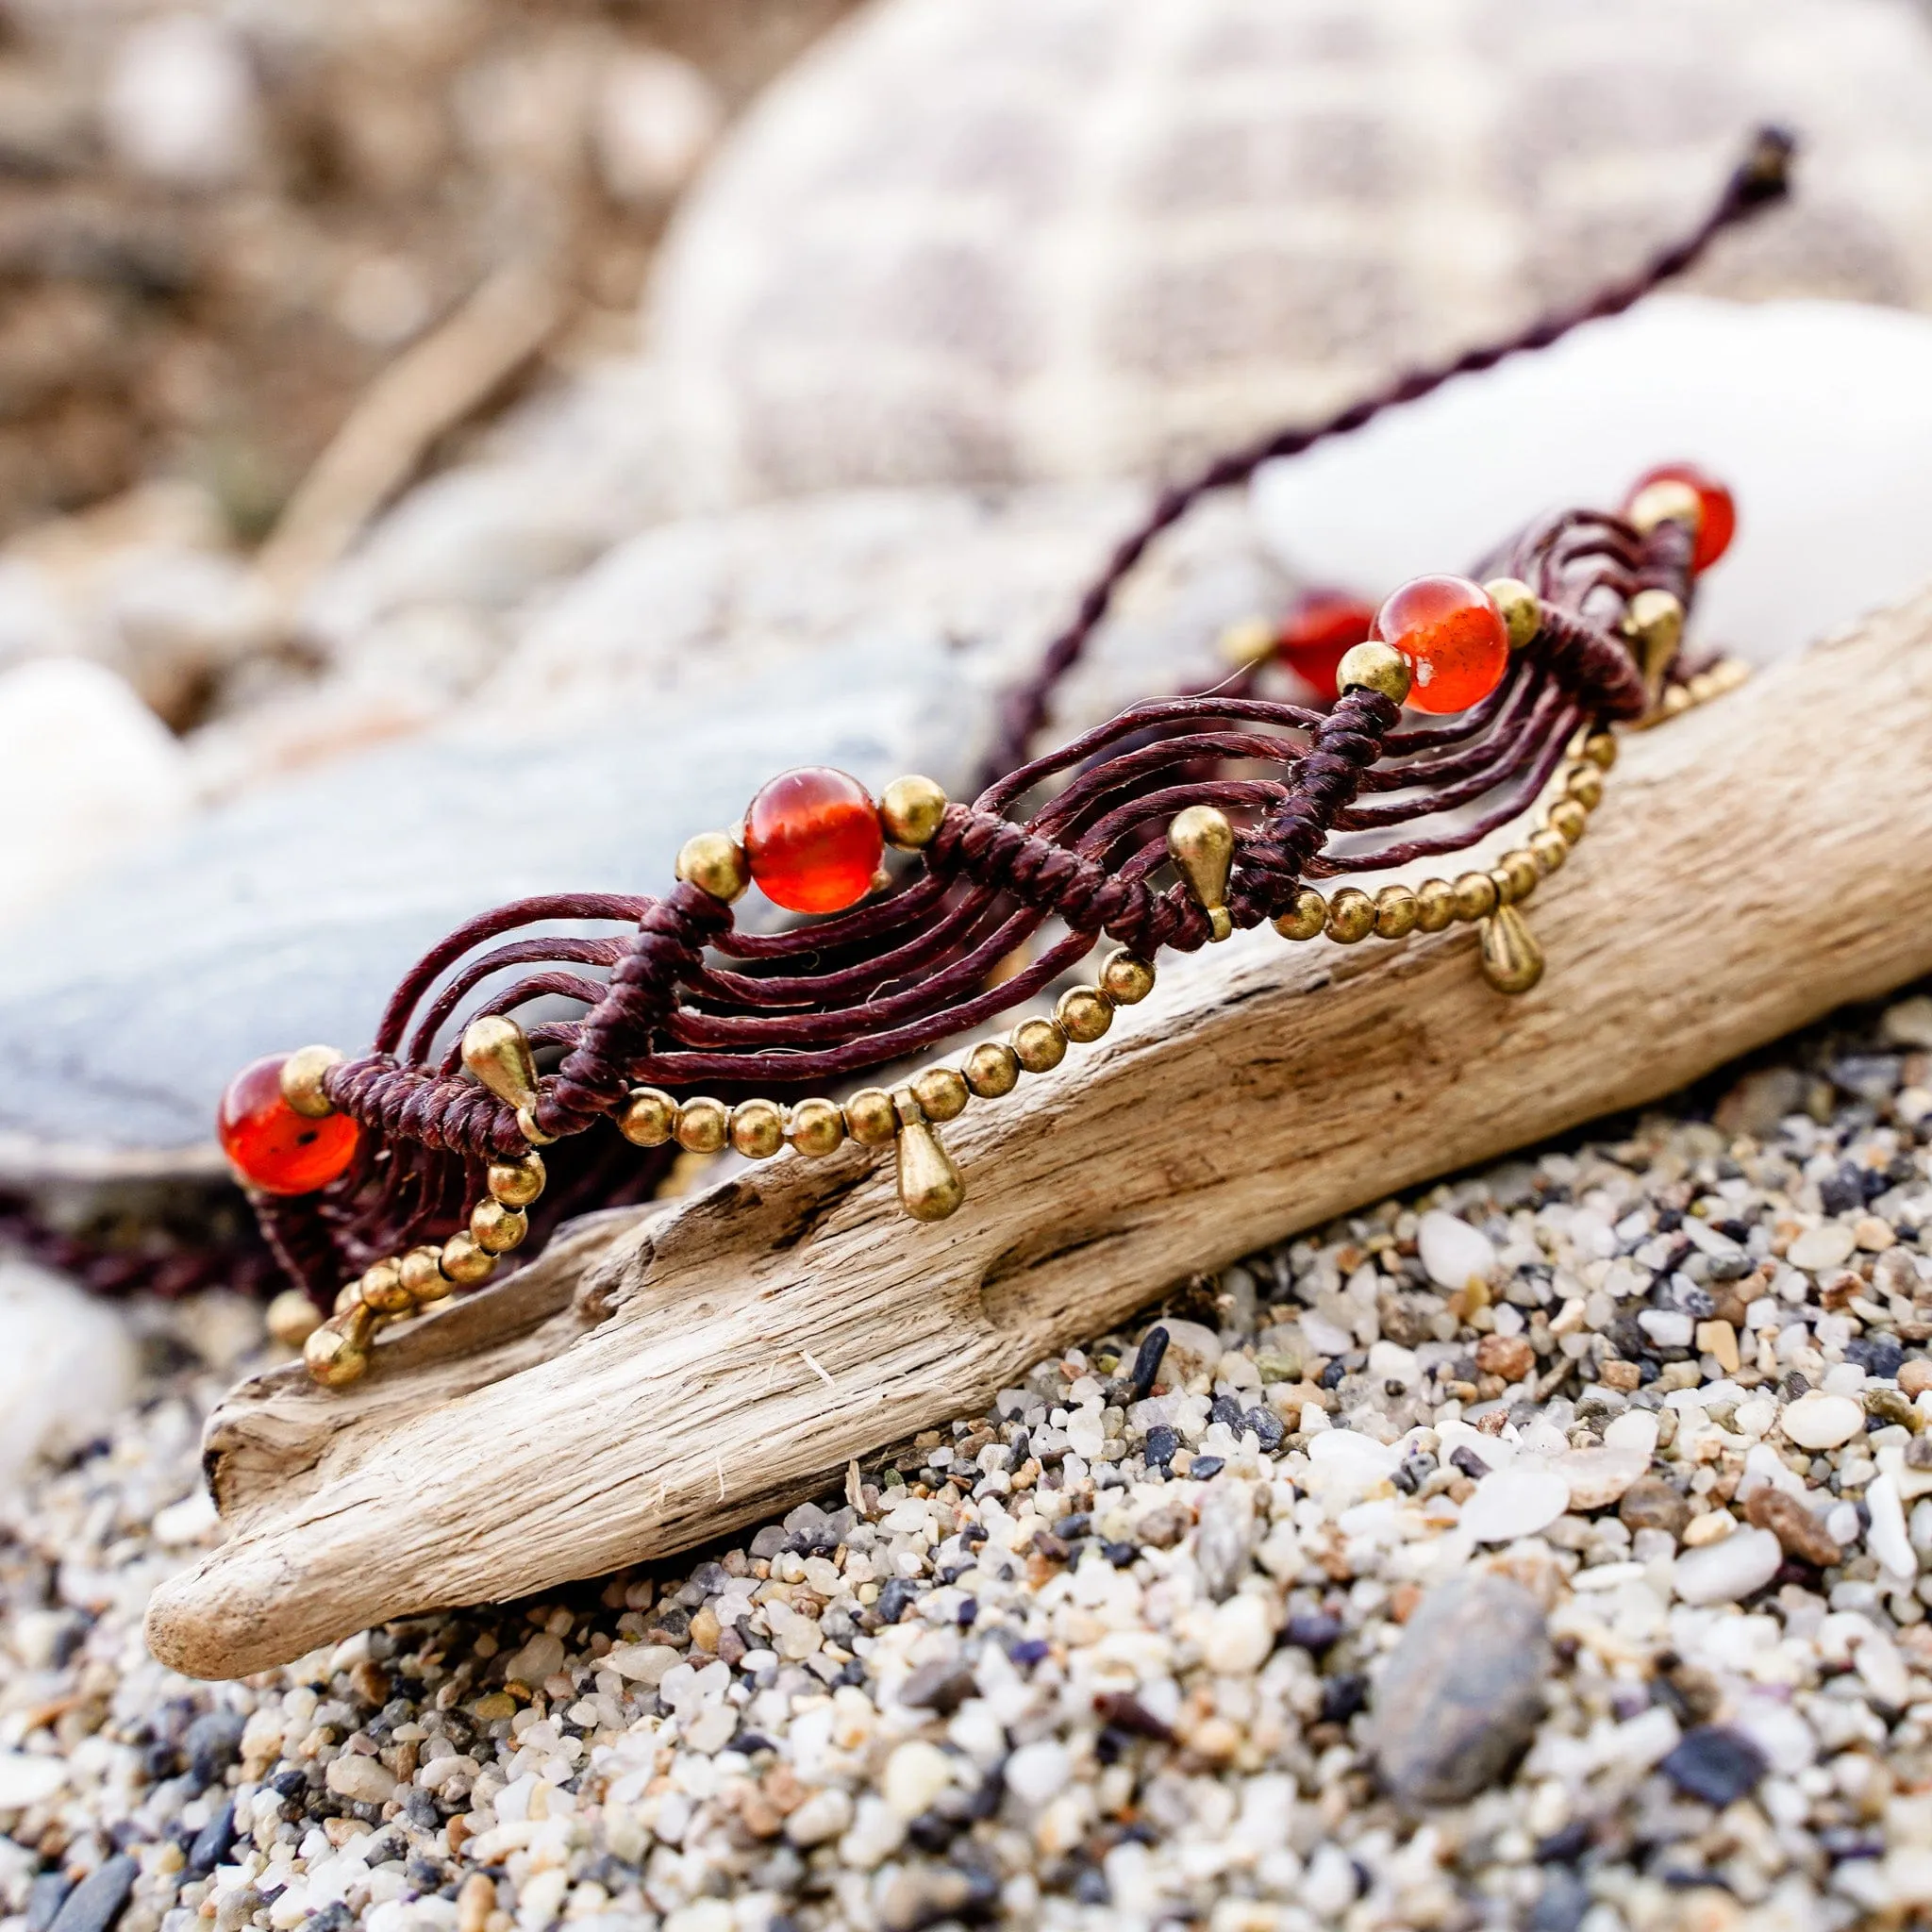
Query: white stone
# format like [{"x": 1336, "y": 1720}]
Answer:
[
  {"x": 1722, "y": 1572},
  {"x": 68, "y": 1369},
  {"x": 656, "y": 116},
  {"x": 362, "y": 1780},
  {"x": 1819, "y": 1249},
  {"x": 916, "y": 1774},
  {"x": 1453, "y": 1252},
  {"x": 541, "y": 1657},
  {"x": 1887, "y": 1539},
  {"x": 1817, "y": 1421},
  {"x": 88, "y": 775},
  {"x": 1598, "y": 1477},
  {"x": 824, "y": 1815},
  {"x": 639, "y": 1664},
  {"x": 1518, "y": 1501},
  {"x": 1636, "y": 1428},
  {"x": 179, "y": 102},
  {"x": 1667, "y": 1327},
  {"x": 1909, "y": 1022},
  {"x": 26, "y": 1780},
  {"x": 1831, "y": 486},
  {"x": 1039, "y": 1772},
  {"x": 1240, "y": 1636}
]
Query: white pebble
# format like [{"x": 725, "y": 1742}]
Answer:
[
  {"x": 824, "y": 1815},
  {"x": 1722, "y": 1572},
  {"x": 1667, "y": 1327},
  {"x": 916, "y": 1774},
  {"x": 1242, "y": 1635},
  {"x": 1817, "y": 1421},
  {"x": 362, "y": 1780},
  {"x": 639, "y": 1664},
  {"x": 1636, "y": 1428},
  {"x": 1514, "y": 1502},
  {"x": 1453, "y": 1252},
  {"x": 543, "y": 1657},
  {"x": 25, "y": 1781},
  {"x": 1038, "y": 1772},
  {"x": 1827, "y": 1245},
  {"x": 1597, "y": 1477},
  {"x": 1887, "y": 1539}
]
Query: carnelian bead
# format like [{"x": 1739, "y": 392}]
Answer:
[
  {"x": 1319, "y": 632},
  {"x": 813, "y": 839},
  {"x": 273, "y": 1147},
  {"x": 1453, "y": 637},
  {"x": 1719, "y": 523}
]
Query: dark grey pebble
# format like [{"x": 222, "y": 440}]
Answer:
[
  {"x": 1162, "y": 1442},
  {"x": 211, "y": 1743},
  {"x": 45, "y": 1898},
  {"x": 1312, "y": 1631},
  {"x": 1564, "y": 1901},
  {"x": 212, "y": 1842},
  {"x": 1458, "y": 1700},
  {"x": 1204, "y": 1469},
  {"x": 943, "y": 1685},
  {"x": 1147, "y": 1358},
  {"x": 1715, "y": 1763},
  {"x": 95, "y": 1903}
]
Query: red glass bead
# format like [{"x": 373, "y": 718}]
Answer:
[
  {"x": 1719, "y": 523},
  {"x": 1319, "y": 632},
  {"x": 273, "y": 1147},
  {"x": 1453, "y": 636},
  {"x": 813, "y": 839}
]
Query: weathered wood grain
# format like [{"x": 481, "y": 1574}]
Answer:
[{"x": 666, "y": 1374}]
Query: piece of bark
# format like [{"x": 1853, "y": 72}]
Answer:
[{"x": 665, "y": 1376}]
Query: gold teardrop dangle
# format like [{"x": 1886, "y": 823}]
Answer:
[
  {"x": 1200, "y": 842},
  {"x": 1511, "y": 960},
  {"x": 929, "y": 1184}
]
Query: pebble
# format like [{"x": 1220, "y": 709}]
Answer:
[
  {"x": 1597, "y": 1477},
  {"x": 1888, "y": 1538},
  {"x": 1725, "y": 1571},
  {"x": 1518, "y": 1501},
  {"x": 823, "y": 1816},
  {"x": 25, "y": 1781},
  {"x": 916, "y": 1774},
  {"x": 1453, "y": 1252},
  {"x": 1818, "y": 1421},
  {"x": 1508, "y": 1355},
  {"x": 1460, "y": 1697},
  {"x": 96, "y": 1902},
  {"x": 1243, "y": 1634},
  {"x": 1819, "y": 1249},
  {"x": 1799, "y": 1531},
  {"x": 362, "y": 1780},
  {"x": 1716, "y": 1764},
  {"x": 1039, "y": 1772}
]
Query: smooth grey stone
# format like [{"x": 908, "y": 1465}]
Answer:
[
  {"x": 1459, "y": 1701},
  {"x": 95, "y": 1903}
]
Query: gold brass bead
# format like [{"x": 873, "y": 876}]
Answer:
[
  {"x": 816, "y": 1126},
  {"x": 1039, "y": 1046},
  {"x": 910, "y": 813},
  {"x": 648, "y": 1118},
  {"x": 1249, "y": 642},
  {"x": 993, "y": 1069},
  {"x": 1304, "y": 919},
  {"x": 422, "y": 1268},
  {"x": 1567, "y": 819},
  {"x": 941, "y": 1092},
  {"x": 497, "y": 1051},
  {"x": 1585, "y": 783},
  {"x": 758, "y": 1128},
  {"x": 870, "y": 1117},
  {"x": 1200, "y": 842},
  {"x": 528, "y": 1126},
  {"x": 293, "y": 1318},
  {"x": 1511, "y": 960},
  {"x": 516, "y": 1183},
  {"x": 1397, "y": 912},
  {"x": 1600, "y": 748},
  {"x": 1655, "y": 624},
  {"x": 1476, "y": 895},
  {"x": 1084, "y": 1012},
  {"x": 929, "y": 1184},
  {"x": 338, "y": 1352},
  {"x": 1522, "y": 609},
  {"x": 1666, "y": 501},
  {"x": 348, "y": 1296},
  {"x": 301, "y": 1079},
  {"x": 715, "y": 863},
  {"x": 1435, "y": 903},
  {"x": 704, "y": 1124},
  {"x": 1517, "y": 875},
  {"x": 1374, "y": 666},
  {"x": 497, "y": 1229},
  {"x": 382, "y": 1288},
  {"x": 1125, "y": 977},
  {"x": 1549, "y": 848},
  {"x": 1350, "y": 915},
  {"x": 464, "y": 1263}
]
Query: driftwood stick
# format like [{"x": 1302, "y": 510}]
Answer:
[{"x": 664, "y": 1375}]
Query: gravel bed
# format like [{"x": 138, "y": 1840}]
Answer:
[{"x": 1543, "y": 1550}]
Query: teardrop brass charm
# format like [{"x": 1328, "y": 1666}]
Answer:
[
  {"x": 929, "y": 1184},
  {"x": 1200, "y": 842},
  {"x": 1513, "y": 961},
  {"x": 497, "y": 1052}
]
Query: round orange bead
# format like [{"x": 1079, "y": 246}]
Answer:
[
  {"x": 271, "y": 1147},
  {"x": 1453, "y": 637},
  {"x": 1719, "y": 523},
  {"x": 1319, "y": 632},
  {"x": 813, "y": 839}
]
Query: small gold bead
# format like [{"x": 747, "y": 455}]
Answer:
[
  {"x": 516, "y": 1183},
  {"x": 704, "y": 1124},
  {"x": 715, "y": 863},
  {"x": 338, "y": 1352},
  {"x": 1084, "y": 1012},
  {"x": 1350, "y": 915},
  {"x": 1585, "y": 783},
  {"x": 816, "y": 1126},
  {"x": 1248, "y": 642},
  {"x": 1200, "y": 842},
  {"x": 648, "y": 1118},
  {"x": 910, "y": 813},
  {"x": 382, "y": 1288},
  {"x": 1667, "y": 501},
  {"x": 293, "y": 1318},
  {"x": 1305, "y": 918},
  {"x": 1600, "y": 748},
  {"x": 1521, "y": 609},
  {"x": 758, "y": 1128},
  {"x": 1567, "y": 819},
  {"x": 1039, "y": 1045},
  {"x": 1435, "y": 901},
  {"x": 1127, "y": 978},
  {"x": 1374, "y": 666},
  {"x": 1549, "y": 848},
  {"x": 993, "y": 1069},
  {"x": 1521, "y": 870},
  {"x": 422, "y": 1268},
  {"x": 941, "y": 1092},
  {"x": 497, "y": 1229},
  {"x": 348, "y": 1296},
  {"x": 1397, "y": 912},
  {"x": 464, "y": 1263},
  {"x": 1702, "y": 688},
  {"x": 1675, "y": 701},
  {"x": 527, "y": 1125},
  {"x": 870, "y": 1117},
  {"x": 301, "y": 1079},
  {"x": 1476, "y": 895}
]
